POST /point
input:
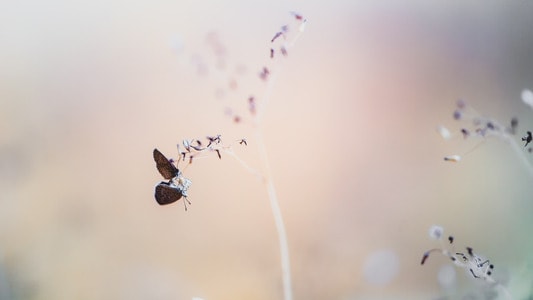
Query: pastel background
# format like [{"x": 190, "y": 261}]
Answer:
[{"x": 89, "y": 88}]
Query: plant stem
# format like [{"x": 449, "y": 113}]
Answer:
[
  {"x": 520, "y": 153},
  {"x": 278, "y": 219},
  {"x": 271, "y": 189}
]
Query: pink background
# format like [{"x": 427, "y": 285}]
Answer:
[{"x": 88, "y": 89}]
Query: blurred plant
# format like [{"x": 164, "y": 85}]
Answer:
[
  {"x": 475, "y": 265},
  {"x": 481, "y": 128},
  {"x": 282, "y": 41}
]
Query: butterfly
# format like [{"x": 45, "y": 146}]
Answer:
[
  {"x": 164, "y": 166},
  {"x": 177, "y": 185}
]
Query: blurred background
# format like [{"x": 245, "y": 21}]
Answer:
[{"x": 89, "y": 88}]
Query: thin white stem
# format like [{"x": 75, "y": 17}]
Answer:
[
  {"x": 276, "y": 211},
  {"x": 520, "y": 152},
  {"x": 272, "y": 196},
  {"x": 505, "y": 291},
  {"x": 267, "y": 179},
  {"x": 278, "y": 219},
  {"x": 244, "y": 164}
]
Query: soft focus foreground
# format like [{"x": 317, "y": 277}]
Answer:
[{"x": 88, "y": 90}]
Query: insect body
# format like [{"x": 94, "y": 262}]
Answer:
[{"x": 177, "y": 185}]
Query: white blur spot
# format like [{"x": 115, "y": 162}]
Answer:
[
  {"x": 527, "y": 97},
  {"x": 435, "y": 232},
  {"x": 177, "y": 44},
  {"x": 197, "y": 298},
  {"x": 381, "y": 267},
  {"x": 444, "y": 132},
  {"x": 447, "y": 277},
  {"x": 453, "y": 158},
  {"x": 302, "y": 25}
]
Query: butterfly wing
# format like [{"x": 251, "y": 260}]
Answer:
[
  {"x": 164, "y": 166},
  {"x": 166, "y": 194}
]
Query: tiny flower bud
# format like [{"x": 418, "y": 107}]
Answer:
[
  {"x": 444, "y": 132},
  {"x": 453, "y": 158},
  {"x": 435, "y": 232},
  {"x": 527, "y": 97}
]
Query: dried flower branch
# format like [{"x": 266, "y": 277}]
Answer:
[
  {"x": 282, "y": 40},
  {"x": 256, "y": 108},
  {"x": 481, "y": 128},
  {"x": 256, "y": 112},
  {"x": 177, "y": 185},
  {"x": 475, "y": 265}
]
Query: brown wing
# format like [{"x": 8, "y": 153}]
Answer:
[
  {"x": 165, "y": 167},
  {"x": 165, "y": 194}
]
